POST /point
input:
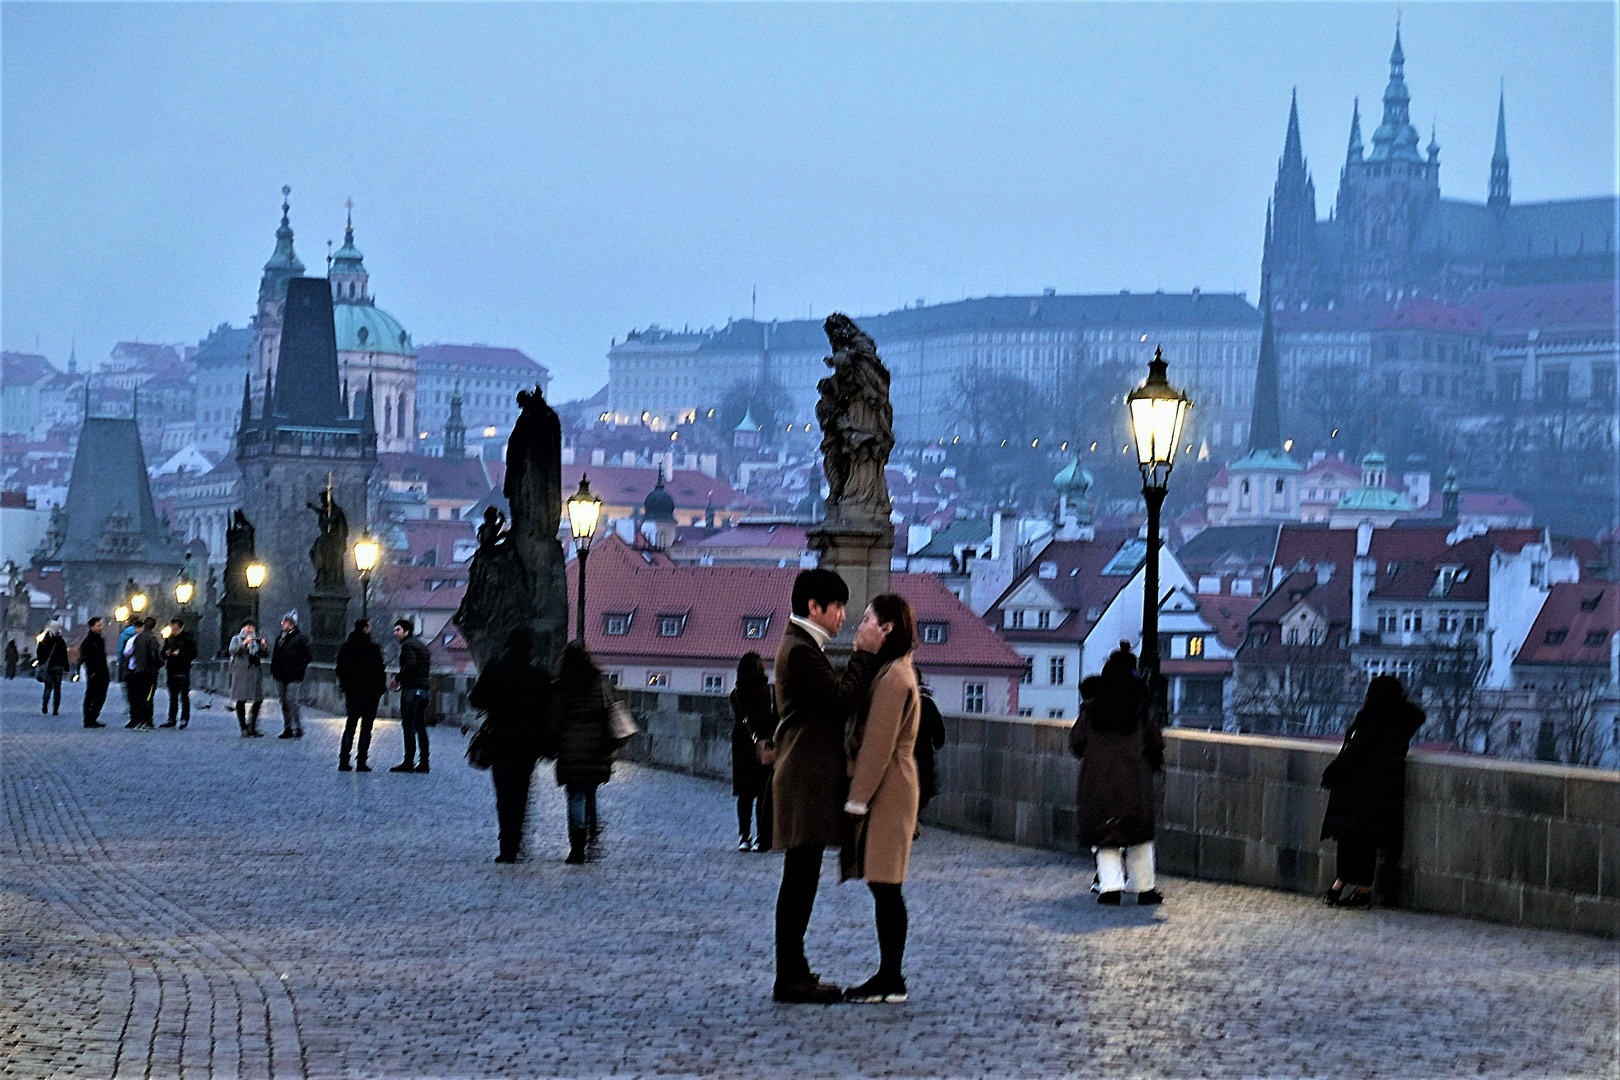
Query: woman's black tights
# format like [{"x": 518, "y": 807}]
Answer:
[{"x": 890, "y": 907}]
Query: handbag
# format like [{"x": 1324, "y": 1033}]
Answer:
[
  {"x": 621, "y": 725},
  {"x": 481, "y": 747}
]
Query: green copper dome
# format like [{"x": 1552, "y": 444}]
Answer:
[
  {"x": 1073, "y": 478},
  {"x": 365, "y": 327}
]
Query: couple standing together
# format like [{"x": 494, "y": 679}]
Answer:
[{"x": 845, "y": 776}]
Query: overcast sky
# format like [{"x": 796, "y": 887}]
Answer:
[{"x": 549, "y": 177}]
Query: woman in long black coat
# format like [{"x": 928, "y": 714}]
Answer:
[
  {"x": 515, "y": 697},
  {"x": 1120, "y": 748},
  {"x": 582, "y": 703},
  {"x": 1367, "y": 784},
  {"x": 753, "y": 727}
]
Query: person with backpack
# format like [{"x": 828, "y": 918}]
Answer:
[
  {"x": 753, "y": 753},
  {"x": 53, "y": 664}
]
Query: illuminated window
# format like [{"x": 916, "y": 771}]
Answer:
[
  {"x": 657, "y": 678},
  {"x": 1195, "y": 645}
]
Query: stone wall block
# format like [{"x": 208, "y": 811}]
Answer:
[
  {"x": 1234, "y": 761},
  {"x": 1422, "y": 846},
  {"x": 1594, "y": 797},
  {"x": 1609, "y": 862},
  {"x": 1020, "y": 737},
  {"x": 1433, "y": 891},
  {"x": 1497, "y": 901},
  {"x": 1052, "y": 739},
  {"x": 1176, "y": 851},
  {"x": 997, "y": 734},
  {"x": 1533, "y": 793},
  {"x": 1221, "y": 858},
  {"x": 1198, "y": 755},
  {"x": 1463, "y": 840},
  {"x": 1180, "y": 799},
  {"x": 1003, "y": 818},
  {"x": 1573, "y": 854},
  {"x": 1259, "y": 863},
  {"x": 1518, "y": 849}
]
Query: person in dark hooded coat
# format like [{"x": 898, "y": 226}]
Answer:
[
  {"x": 1120, "y": 748},
  {"x": 514, "y": 694},
  {"x": 1367, "y": 801}
]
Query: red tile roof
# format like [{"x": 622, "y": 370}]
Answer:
[
  {"x": 628, "y": 485},
  {"x": 1078, "y": 584},
  {"x": 1229, "y": 615},
  {"x": 1431, "y": 315},
  {"x": 1575, "y": 626},
  {"x": 463, "y": 479},
  {"x": 713, "y": 602},
  {"x": 1589, "y": 305}
]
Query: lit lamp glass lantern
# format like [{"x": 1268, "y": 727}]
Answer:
[
  {"x": 1158, "y": 412},
  {"x": 366, "y": 552},
  {"x": 183, "y": 593},
  {"x": 584, "y": 513},
  {"x": 137, "y": 603},
  {"x": 255, "y": 573}
]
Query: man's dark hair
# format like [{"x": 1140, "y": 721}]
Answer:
[
  {"x": 405, "y": 625},
  {"x": 94, "y": 619},
  {"x": 177, "y": 621},
  {"x": 825, "y": 587},
  {"x": 150, "y": 623},
  {"x": 249, "y": 622},
  {"x": 362, "y": 625}
]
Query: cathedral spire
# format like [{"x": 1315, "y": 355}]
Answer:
[
  {"x": 1501, "y": 189},
  {"x": 284, "y": 262},
  {"x": 1265, "y": 421},
  {"x": 1355, "y": 132},
  {"x": 247, "y": 402},
  {"x": 1396, "y": 138},
  {"x": 1293, "y": 159}
]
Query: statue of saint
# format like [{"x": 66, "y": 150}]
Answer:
[
  {"x": 857, "y": 426},
  {"x": 331, "y": 544},
  {"x": 489, "y": 533}
]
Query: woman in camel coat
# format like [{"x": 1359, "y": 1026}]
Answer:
[{"x": 883, "y": 792}]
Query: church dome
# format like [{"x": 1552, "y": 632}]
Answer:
[
  {"x": 365, "y": 327},
  {"x": 1073, "y": 480},
  {"x": 660, "y": 504}
]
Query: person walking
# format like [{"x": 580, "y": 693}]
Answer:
[
  {"x": 582, "y": 702},
  {"x": 179, "y": 651},
  {"x": 53, "y": 664},
  {"x": 145, "y": 664},
  {"x": 1367, "y": 794},
  {"x": 1120, "y": 748},
  {"x": 413, "y": 681},
  {"x": 93, "y": 669},
  {"x": 515, "y": 697},
  {"x": 884, "y": 790},
  {"x": 752, "y": 752},
  {"x": 247, "y": 652},
  {"x": 363, "y": 679},
  {"x": 11, "y": 659},
  {"x": 289, "y": 659},
  {"x": 930, "y": 740},
  {"x": 814, "y": 701}
]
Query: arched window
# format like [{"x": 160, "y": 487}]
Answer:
[
  {"x": 399, "y": 416},
  {"x": 388, "y": 413}
]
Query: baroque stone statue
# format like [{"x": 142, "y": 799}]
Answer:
[
  {"x": 516, "y": 576},
  {"x": 331, "y": 545},
  {"x": 857, "y": 427}
]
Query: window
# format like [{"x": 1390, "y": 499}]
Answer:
[
  {"x": 1556, "y": 637},
  {"x": 1555, "y": 384},
  {"x": 1513, "y": 732},
  {"x": 670, "y": 625},
  {"x": 614, "y": 678},
  {"x": 1293, "y": 635},
  {"x": 1043, "y": 621},
  {"x": 973, "y": 697},
  {"x": 1054, "y": 670},
  {"x": 934, "y": 633},
  {"x": 1195, "y": 645},
  {"x": 1392, "y": 384},
  {"x": 1053, "y": 714},
  {"x": 1590, "y": 603},
  {"x": 755, "y": 627},
  {"x": 1278, "y": 489},
  {"x": 615, "y": 625},
  {"x": 657, "y": 678},
  {"x": 1017, "y": 620},
  {"x": 1596, "y": 637},
  {"x": 713, "y": 684}
]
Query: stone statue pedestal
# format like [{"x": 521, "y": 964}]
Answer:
[
  {"x": 862, "y": 555},
  {"x": 328, "y": 624}
]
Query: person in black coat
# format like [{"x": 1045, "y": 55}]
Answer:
[
  {"x": 53, "y": 664},
  {"x": 289, "y": 660},
  {"x": 363, "y": 679},
  {"x": 752, "y": 753},
  {"x": 583, "y": 706},
  {"x": 11, "y": 659},
  {"x": 930, "y": 740},
  {"x": 1120, "y": 748},
  {"x": 1367, "y": 793},
  {"x": 93, "y": 668},
  {"x": 515, "y": 697},
  {"x": 179, "y": 650}
]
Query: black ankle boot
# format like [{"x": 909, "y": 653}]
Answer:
[{"x": 576, "y": 847}]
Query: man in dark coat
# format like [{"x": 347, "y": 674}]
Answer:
[
  {"x": 288, "y": 661},
  {"x": 414, "y": 683},
  {"x": 93, "y": 668},
  {"x": 363, "y": 679},
  {"x": 11, "y": 659},
  {"x": 1366, "y": 807},
  {"x": 515, "y": 697},
  {"x": 145, "y": 664},
  {"x": 179, "y": 650},
  {"x": 813, "y": 703}
]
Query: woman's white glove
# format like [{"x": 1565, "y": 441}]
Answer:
[{"x": 856, "y": 808}]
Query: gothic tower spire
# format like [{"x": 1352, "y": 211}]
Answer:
[
  {"x": 1292, "y": 220},
  {"x": 1501, "y": 189},
  {"x": 1396, "y": 139},
  {"x": 1265, "y": 420},
  {"x": 1355, "y": 132}
]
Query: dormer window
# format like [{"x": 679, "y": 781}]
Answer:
[
  {"x": 1043, "y": 620},
  {"x": 755, "y": 627},
  {"x": 934, "y": 633},
  {"x": 1047, "y": 570},
  {"x": 616, "y": 625},
  {"x": 671, "y": 625},
  {"x": 1556, "y": 637}
]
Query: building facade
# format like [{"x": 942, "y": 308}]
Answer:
[{"x": 487, "y": 378}]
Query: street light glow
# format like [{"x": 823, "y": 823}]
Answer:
[
  {"x": 255, "y": 575},
  {"x": 121, "y": 613},
  {"x": 138, "y": 602},
  {"x": 366, "y": 552},
  {"x": 584, "y": 511},
  {"x": 1158, "y": 411},
  {"x": 182, "y": 593}
]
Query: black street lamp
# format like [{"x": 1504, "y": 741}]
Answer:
[
  {"x": 366, "y": 553},
  {"x": 1158, "y": 413},
  {"x": 584, "y": 511},
  {"x": 255, "y": 573}
]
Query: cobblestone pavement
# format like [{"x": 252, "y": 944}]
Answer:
[{"x": 188, "y": 903}]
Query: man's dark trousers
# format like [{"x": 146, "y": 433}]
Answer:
[
  {"x": 180, "y": 698},
  {"x": 511, "y": 802},
  {"x": 142, "y": 687},
  {"x": 795, "y": 900},
  {"x": 413, "y": 710},
  {"x": 95, "y": 696},
  {"x": 362, "y": 711}
]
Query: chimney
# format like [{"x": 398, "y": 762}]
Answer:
[{"x": 1364, "y": 533}]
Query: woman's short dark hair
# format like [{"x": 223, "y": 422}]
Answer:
[
  {"x": 892, "y": 608},
  {"x": 362, "y": 624},
  {"x": 823, "y": 586},
  {"x": 751, "y": 670},
  {"x": 576, "y": 671},
  {"x": 249, "y": 622}
]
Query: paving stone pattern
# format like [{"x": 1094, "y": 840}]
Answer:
[{"x": 192, "y": 904}]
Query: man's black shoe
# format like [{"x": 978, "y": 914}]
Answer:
[
  {"x": 807, "y": 991},
  {"x": 362, "y": 767},
  {"x": 169, "y": 723},
  {"x": 94, "y": 723},
  {"x": 1109, "y": 898},
  {"x": 343, "y": 766},
  {"x": 422, "y": 767},
  {"x": 1149, "y": 897},
  {"x": 286, "y": 735},
  {"x": 404, "y": 766},
  {"x": 878, "y": 990}
]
